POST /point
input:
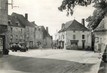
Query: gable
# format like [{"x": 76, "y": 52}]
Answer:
[
  {"x": 76, "y": 26},
  {"x": 73, "y": 26},
  {"x": 101, "y": 27}
]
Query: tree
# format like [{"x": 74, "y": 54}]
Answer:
[{"x": 98, "y": 14}]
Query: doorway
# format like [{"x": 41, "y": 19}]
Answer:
[
  {"x": 62, "y": 47},
  {"x": 83, "y": 44},
  {"x": 2, "y": 43}
]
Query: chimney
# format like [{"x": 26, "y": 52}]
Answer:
[
  {"x": 63, "y": 25},
  {"x": 83, "y": 22},
  {"x": 47, "y": 29},
  {"x": 26, "y": 16}
]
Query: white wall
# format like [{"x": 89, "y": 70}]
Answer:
[{"x": 68, "y": 35}]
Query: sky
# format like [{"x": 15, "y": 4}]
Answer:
[{"x": 46, "y": 13}]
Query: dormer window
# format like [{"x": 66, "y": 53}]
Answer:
[
  {"x": 74, "y": 37},
  {"x": 17, "y": 23},
  {"x": 9, "y": 21}
]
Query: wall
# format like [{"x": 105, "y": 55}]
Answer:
[
  {"x": 100, "y": 41},
  {"x": 29, "y": 36},
  {"x": 68, "y": 35},
  {"x": 48, "y": 42},
  {"x": 4, "y": 21},
  {"x": 4, "y": 12},
  {"x": 38, "y": 37},
  {"x": 16, "y": 34}
]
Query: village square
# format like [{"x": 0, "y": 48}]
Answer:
[{"x": 63, "y": 45}]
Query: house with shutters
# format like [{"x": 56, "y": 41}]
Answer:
[
  {"x": 100, "y": 33},
  {"x": 74, "y": 35}
]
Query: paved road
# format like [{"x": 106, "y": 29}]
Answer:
[{"x": 50, "y": 61}]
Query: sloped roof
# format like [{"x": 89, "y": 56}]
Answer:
[
  {"x": 13, "y": 21},
  {"x": 23, "y": 21},
  {"x": 33, "y": 23},
  {"x": 74, "y": 26},
  {"x": 101, "y": 27}
]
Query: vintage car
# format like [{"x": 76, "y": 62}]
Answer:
[
  {"x": 20, "y": 47},
  {"x": 23, "y": 48}
]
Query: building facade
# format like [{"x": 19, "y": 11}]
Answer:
[
  {"x": 101, "y": 35},
  {"x": 74, "y": 35},
  {"x": 16, "y": 32},
  {"x": 28, "y": 33},
  {"x": 3, "y": 25},
  {"x": 42, "y": 37}
]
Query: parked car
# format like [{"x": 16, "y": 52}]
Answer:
[
  {"x": 104, "y": 57},
  {"x": 23, "y": 48},
  {"x": 15, "y": 47},
  {"x": 20, "y": 47}
]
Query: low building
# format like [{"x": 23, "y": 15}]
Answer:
[
  {"x": 74, "y": 35},
  {"x": 101, "y": 35}
]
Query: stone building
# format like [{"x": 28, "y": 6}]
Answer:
[
  {"x": 74, "y": 35},
  {"x": 3, "y": 25},
  {"x": 23, "y": 31},
  {"x": 42, "y": 37},
  {"x": 101, "y": 35},
  {"x": 16, "y": 32}
]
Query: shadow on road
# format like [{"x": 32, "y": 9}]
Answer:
[{"x": 43, "y": 65}]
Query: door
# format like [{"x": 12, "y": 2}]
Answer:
[
  {"x": 62, "y": 44},
  {"x": 1, "y": 44},
  {"x": 83, "y": 44}
]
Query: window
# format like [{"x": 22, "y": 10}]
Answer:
[
  {"x": 74, "y": 37},
  {"x": 63, "y": 36},
  {"x": 96, "y": 39},
  {"x": 35, "y": 29},
  {"x": 9, "y": 22},
  {"x": 11, "y": 29},
  {"x": 83, "y": 36},
  {"x": 17, "y": 23},
  {"x": 21, "y": 31}
]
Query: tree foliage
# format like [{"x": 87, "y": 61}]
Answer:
[{"x": 98, "y": 14}]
